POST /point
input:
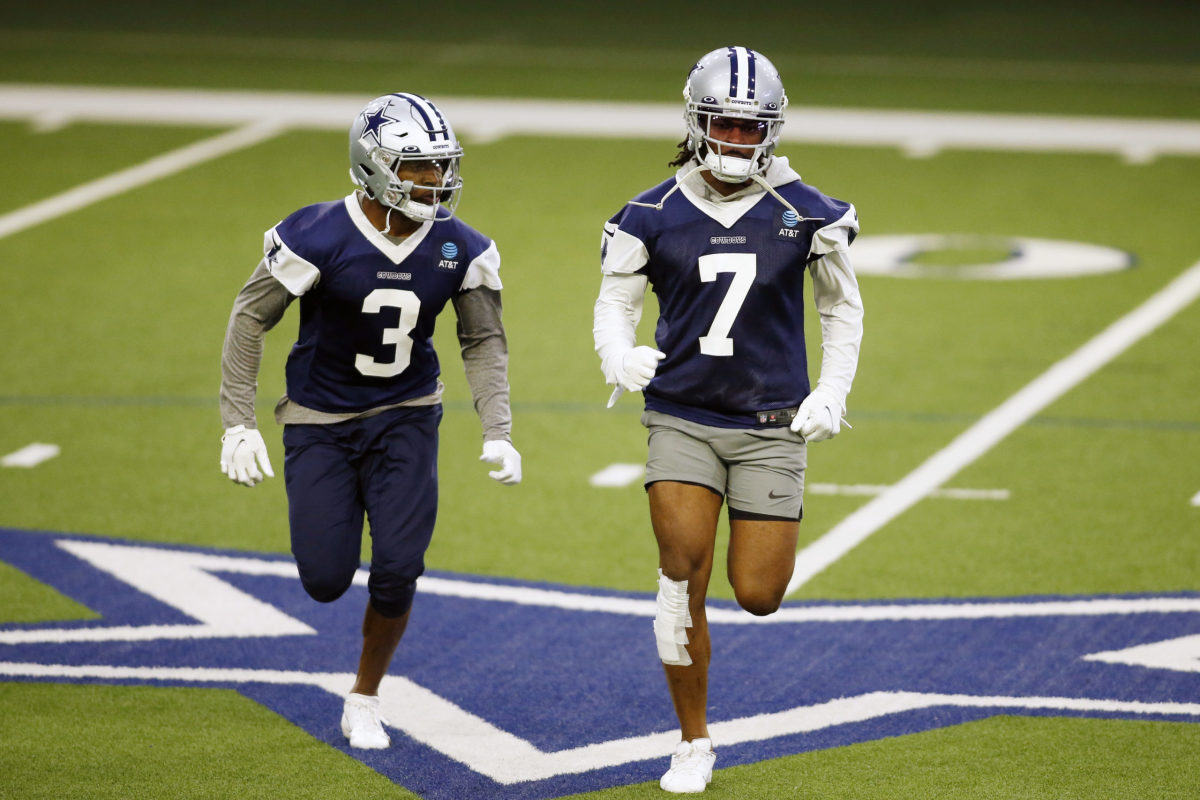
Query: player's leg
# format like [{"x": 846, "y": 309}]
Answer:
[
  {"x": 762, "y": 555},
  {"x": 380, "y": 635},
  {"x": 684, "y": 517},
  {"x": 685, "y": 481},
  {"x": 765, "y": 500},
  {"x": 399, "y": 478},
  {"x": 325, "y": 514}
]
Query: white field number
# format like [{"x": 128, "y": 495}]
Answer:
[
  {"x": 409, "y": 305},
  {"x": 744, "y": 266}
]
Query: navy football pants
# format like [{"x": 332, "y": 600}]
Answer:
[{"x": 384, "y": 466}]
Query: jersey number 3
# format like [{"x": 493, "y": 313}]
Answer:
[
  {"x": 744, "y": 266},
  {"x": 409, "y": 305}
]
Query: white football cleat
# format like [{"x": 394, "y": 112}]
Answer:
[
  {"x": 362, "y": 723},
  {"x": 691, "y": 767}
]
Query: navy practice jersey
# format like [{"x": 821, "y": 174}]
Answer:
[
  {"x": 367, "y": 304},
  {"x": 731, "y": 299}
]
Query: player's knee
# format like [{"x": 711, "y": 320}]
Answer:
[
  {"x": 684, "y": 561},
  {"x": 323, "y": 580},
  {"x": 325, "y": 586},
  {"x": 757, "y": 600},
  {"x": 391, "y": 595}
]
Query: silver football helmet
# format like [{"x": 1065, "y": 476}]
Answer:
[
  {"x": 737, "y": 83},
  {"x": 394, "y": 131}
]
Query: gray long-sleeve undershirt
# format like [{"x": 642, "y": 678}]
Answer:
[{"x": 261, "y": 304}]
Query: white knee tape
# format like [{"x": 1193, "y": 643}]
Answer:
[{"x": 671, "y": 621}]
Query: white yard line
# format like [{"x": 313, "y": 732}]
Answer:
[
  {"x": 920, "y": 133},
  {"x": 30, "y": 455},
  {"x": 139, "y": 175},
  {"x": 620, "y": 475},
  {"x": 875, "y": 489},
  {"x": 616, "y": 476},
  {"x": 995, "y": 426}
]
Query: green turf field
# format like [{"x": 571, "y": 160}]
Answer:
[{"x": 113, "y": 317}]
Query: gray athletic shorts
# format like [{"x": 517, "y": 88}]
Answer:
[{"x": 759, "y": 471}]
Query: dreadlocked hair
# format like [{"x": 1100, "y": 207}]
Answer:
[{"x": 683, "y": 156}]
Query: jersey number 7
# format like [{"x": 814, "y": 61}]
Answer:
[{"x": 744, "y": 267}]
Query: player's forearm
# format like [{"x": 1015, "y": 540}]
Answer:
[
  {"x": 258, "y": 307},
  {"x": 836, "y": 294},
  {"x": 615, "y": 316},
  {"x": 485, "y": 359},
  {"x": 486, "y": 365},
  {"x": 241, "y": 357}
]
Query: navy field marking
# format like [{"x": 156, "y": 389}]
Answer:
[{"x": 510, "y": 690}]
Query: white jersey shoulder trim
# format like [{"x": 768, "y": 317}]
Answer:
[
  {"x": 484, "y": 270},
  {"x": 296, "y": 274},
  {"x": 836, "y": 235},
  {"x": 623, "y": 253},
  {"x": 395, "y": 251}
]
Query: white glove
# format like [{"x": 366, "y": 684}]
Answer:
[
  {"x": 819, "y": 417},
  {"x": 498, "y": 451},
  {"x": 242, "y": 452},
  {"x": 635, "y": 367}
]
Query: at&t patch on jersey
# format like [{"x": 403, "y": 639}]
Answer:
[
  {"x": 504, "y": 689},
  {"x": 449, "y": 252},
  {"x": 789, "y": 226}
]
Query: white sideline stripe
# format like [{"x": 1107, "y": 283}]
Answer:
[
  {"x": 509, "y": 759},
  {"x": 30, "y": 455},
  {"x": 139, "y": 175},
  {"x": 996, "y": 425},
  {"x": 915, "y": 132}
]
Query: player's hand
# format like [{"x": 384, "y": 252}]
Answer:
[
  {"x": 819, "y": 417},
  {"x": 637, "y": 366},
  {"x": 243, "y": 451},
  {"x": 498, "y": 451}
]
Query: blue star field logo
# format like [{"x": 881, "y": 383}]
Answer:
[{"x": 503, "y": 689}]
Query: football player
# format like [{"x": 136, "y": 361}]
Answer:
[
  {"x": 725, "y": 244},
  {"x": 360, "y": 416}
]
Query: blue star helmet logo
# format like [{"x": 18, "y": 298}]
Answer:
[{"x": 376, "y": 119}]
